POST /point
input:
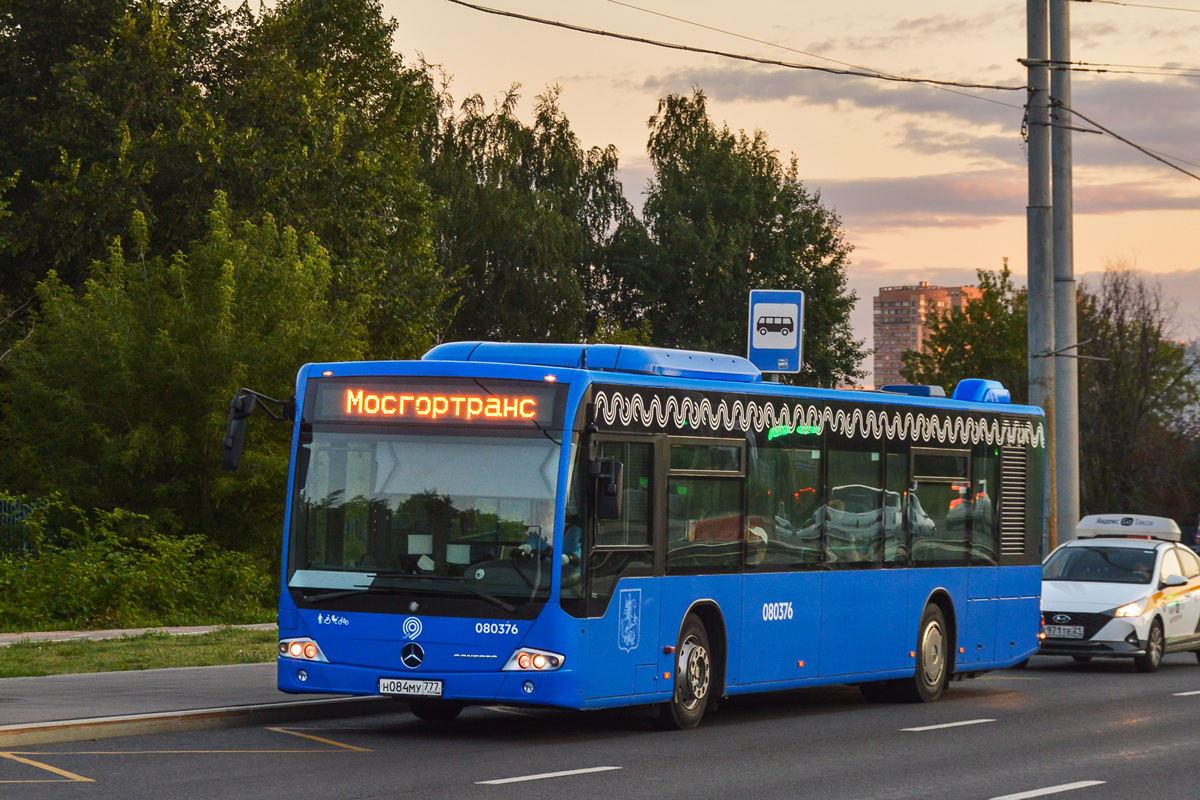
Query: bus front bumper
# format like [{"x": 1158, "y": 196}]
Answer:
[{"x": 559, "y": 688}]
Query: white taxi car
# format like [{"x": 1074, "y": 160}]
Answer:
[{"x": 1124, "y": 587}]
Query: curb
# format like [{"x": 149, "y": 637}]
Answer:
[{"x": 199, "y": 719}]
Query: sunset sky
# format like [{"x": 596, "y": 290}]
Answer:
[{"x": 930, "y": 184}]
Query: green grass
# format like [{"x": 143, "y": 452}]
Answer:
[{"x": 152, "y": 650}]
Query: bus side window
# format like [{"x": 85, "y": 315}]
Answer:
[
  {"x": 633, "y": 526},
  {"x": 854, "y": 511}
]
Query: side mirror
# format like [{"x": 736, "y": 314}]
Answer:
[
  {"x": 235, "y": 431},
  {"x": 608, "y": 475},
  {"x": 1174, "y": 580}
]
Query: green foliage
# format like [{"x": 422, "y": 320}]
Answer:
[
  {"x": 727, "y": 216},
  {"x": 150, "y": 650},
  {"x": 119, "y": 398},
  {"x": 985, "y": 339},
  {"x": 112, "y": 569},
  {"x": 304, "y": 113},
  {"x": 1135, "y": 453},
  {"x": 524, "y": 221}
]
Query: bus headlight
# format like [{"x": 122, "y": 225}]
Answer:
[
  {"x": 302, "y": 649},
  {"x": 529, "y": 659},
  {"x": 1134, "y": 609}
]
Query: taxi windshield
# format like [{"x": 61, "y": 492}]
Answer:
[{"x": 1100, "y": 564}]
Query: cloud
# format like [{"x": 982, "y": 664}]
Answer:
[
  {"x": 973, "y": 199},
  {"x": 1157, "y": 113}
]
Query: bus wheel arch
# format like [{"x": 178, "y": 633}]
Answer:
[
  {"x": 714, "y": 624},
  {"x": 699, "y": 666},
  {"x": 942, "y": 600},
  {"x": 936, "y": 637}
]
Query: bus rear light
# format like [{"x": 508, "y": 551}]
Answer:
[
  {"x": 302, "y": 649},
  {"x": 528, "y": 659}
]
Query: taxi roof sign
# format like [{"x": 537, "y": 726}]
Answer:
[{"x": 1131, "y": 525}]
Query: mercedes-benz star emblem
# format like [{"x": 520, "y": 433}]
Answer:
[{"x": 412, "y": 655}]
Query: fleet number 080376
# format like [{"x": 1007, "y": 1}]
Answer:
[{"x": 496, "y": 627}]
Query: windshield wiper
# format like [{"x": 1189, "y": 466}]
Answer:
[{"x": 496, "y": 601}]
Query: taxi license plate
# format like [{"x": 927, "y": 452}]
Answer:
[
  {"x": 1065, "y": 631},
  {"x": 404, "y": 686}
]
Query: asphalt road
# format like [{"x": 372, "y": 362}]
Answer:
[{"x": 1057, "y": 729}]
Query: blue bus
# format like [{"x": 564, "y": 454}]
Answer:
[{"x": 593, "y": 526}]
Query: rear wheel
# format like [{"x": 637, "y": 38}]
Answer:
[
  {"x": 430, "y": 710},
  {"x": 1155, "y": 644},
  {"x": 693, "y": 678},
  {"x": 933, "y": 659}
]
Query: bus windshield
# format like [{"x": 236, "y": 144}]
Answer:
[{"x": 441, "y": 514}]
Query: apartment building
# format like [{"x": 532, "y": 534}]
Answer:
[{"x": 899, "y": 322}]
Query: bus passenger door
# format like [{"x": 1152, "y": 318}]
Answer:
[{"x": 623, "y": 591}]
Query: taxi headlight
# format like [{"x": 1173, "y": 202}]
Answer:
[{"x": 1133, "y": 609}]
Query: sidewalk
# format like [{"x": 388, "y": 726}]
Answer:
[
  {"x": 67, "y": 636},
  {"x": 61, "y": 708}
]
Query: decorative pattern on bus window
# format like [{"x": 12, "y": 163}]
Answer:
[{"x": 633, "y": 409}]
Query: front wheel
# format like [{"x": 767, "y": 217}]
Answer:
[
  {"x": 429, "y": 710},
  {"x": 1155, "y": 644},
  {"x": 693, "y": 678},
  {"x": 933, "y": 659}
]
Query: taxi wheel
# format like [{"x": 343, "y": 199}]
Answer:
[
  {"x": 693, "y": 678},
  {"x": 429, "y": 710},
  {"x": 1154, "y": 650}
]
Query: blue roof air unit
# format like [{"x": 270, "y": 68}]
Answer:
[
  {"x": 605, "y": 357},
  {"x": 978, "y": 390}
]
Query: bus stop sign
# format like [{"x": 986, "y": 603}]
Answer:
[{"x": 776, "y": 322}]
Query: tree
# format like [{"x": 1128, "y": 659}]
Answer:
[
  {"x": 525, "y": 219},
  {"x": 1133, "y": 405},
  {"x": 986, "y": 338},
  {"x": 726, "y": 216},
  {"x": 118, "y": 399},
  {"x": 303, "y": 112}
]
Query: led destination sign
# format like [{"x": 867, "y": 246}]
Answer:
[
  {"x": 441, "y": 401},
  {"x": 360, "y": 402}
]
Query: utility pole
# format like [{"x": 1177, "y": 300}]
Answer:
[
  {"x": 1041, "y": 252},
  {"x": 1066, "y": 367}
]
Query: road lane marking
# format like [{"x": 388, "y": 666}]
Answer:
[
  {"x": 1186, "y": 694},
  {"x": 70, "y": 776},
  {"x": 948, "y": 725},
  {"x": 1065, "y": 787},
  {"x": 545, "y": 775},
  {"x": 320, "y": 739}
]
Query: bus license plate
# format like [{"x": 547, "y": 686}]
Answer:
[
  {"x": 405, "y": 686},
  {"x": 1065, "y": 631}
]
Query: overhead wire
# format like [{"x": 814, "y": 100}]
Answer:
[
  {"x": 736, "y": 56},
  {"x": 1153, "y": 154},
  {"x": 794, "y": 50},
  {"x": 1138, "y": 5},
  {"x": 856, "y": 72}
]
